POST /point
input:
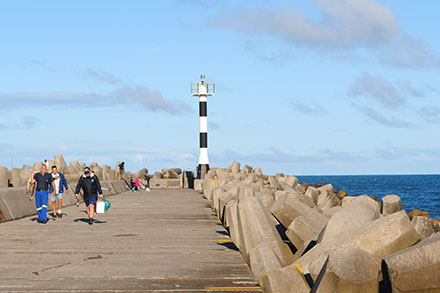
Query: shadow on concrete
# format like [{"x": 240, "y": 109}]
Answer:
[
  {"x": 222, "y": 233},
  {"x": 229, "y": 245},
  {"x": 86, "y": 220},
  {"x": 282, "y": 231},
  {"x": 34, "y": 219}
]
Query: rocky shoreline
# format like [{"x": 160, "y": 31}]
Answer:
[{"x": 296, "y": 237}]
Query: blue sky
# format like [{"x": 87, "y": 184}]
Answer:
[{"x": 303, "y": 87}]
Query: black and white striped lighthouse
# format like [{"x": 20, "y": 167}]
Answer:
[{"x": 203, "y": 90}]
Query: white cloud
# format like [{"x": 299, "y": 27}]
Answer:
[
  {"x": 127, "y": 95},
  {"x": 341, "y": 26},
  {"x": 312, "y": 108},
  {"x": 343, "y": 23},
  {"x": 27, "y": 122},
  {"x": 104, "y": 76},
  {"x": 377, "y": 88},
  {"x": 385, "y": 120}
]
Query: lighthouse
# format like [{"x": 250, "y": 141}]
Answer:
[{"x": 203, "y": 90}]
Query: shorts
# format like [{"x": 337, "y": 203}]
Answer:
[
  {"x": 90, "y": 200},
  {"x": 56, "y": 196}
]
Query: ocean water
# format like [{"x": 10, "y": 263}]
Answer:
[{"x": 416, "y": 191}]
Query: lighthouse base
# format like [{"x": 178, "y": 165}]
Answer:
[{"x": 202, "y": 169}]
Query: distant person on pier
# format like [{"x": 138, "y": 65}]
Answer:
[
  {"x": 44, "y": 181},
  {"x": 91, "y": 187},
  {"x": 46, "y": 163},
  {"x": 60, "y": 185},
  {"x": 121, "y": 170},
  {"x": 147, "y": 178}
]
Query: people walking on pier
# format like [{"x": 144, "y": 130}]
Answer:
[
  {"x": 89, "y": 183},
  {"x": 60, "y": 185},
  {"x": 121, "y": 170},
  {"x": 44, "y": 180}
]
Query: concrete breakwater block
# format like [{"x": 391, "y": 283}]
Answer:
[
  {"x": 302, "y": 230},
  {"x": 287, "y": 208},
  {"x": 327, "y": 198},
  {"x": 391, "y": 204},
  {"x": 257, "y": 227},
  {"x": 379, "y": 238},
  {"x": 415, "y": 269},
  {"x": 424, "y": 226},
  {"x": 344, "y": 237},
  {"x": 165, "y": 183},
  {"x": 232, "y": 222},
  {"x": 285, "y": 280},
  {"x": 5, "y": 175},
  {"x": 313, "y": 193},
  {"x": 15, "y": 203},
  {"x": 346, "y": 270},
  {"x": 60, "y": 163},
  {"x": 263, "y": 260},
  {"x": 351, "y": 217}
]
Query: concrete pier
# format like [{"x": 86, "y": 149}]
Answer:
[{"x": 162, "y": 241}]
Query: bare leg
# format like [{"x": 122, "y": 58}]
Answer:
[
  {"x": 60, "y": 204},
  {"x": 91, "y": 210},
  {"x": 54, "y": 208}
]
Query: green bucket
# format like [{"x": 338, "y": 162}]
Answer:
[{"x": 107, "y": 204}]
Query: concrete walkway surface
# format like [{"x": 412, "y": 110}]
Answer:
[{"x": 162, "y": 241}]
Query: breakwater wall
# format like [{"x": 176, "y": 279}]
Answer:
[{"x": 296, "y": 237}]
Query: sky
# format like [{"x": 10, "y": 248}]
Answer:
[{"x": 303, "y": 87}]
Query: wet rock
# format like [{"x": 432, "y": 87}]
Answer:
[
  {"x": 341, "y": 193},
  {"x": 418, "y": 212}
]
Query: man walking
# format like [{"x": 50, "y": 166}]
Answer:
[
  {"x": 44, "y": 180},
  {"x": 91, "y": 188},
  {"x": 60, "y": 183}
]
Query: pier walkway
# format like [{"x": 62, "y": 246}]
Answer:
[{"x": 162, "y": 241}]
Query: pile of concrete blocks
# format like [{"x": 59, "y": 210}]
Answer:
[
  {"x": 20, "y": 177},
  {"x": 167, "y": 178},
  {"x": 296, "y": 237}
]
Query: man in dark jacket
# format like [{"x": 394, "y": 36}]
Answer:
[{"x": 89, "y": 183}]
